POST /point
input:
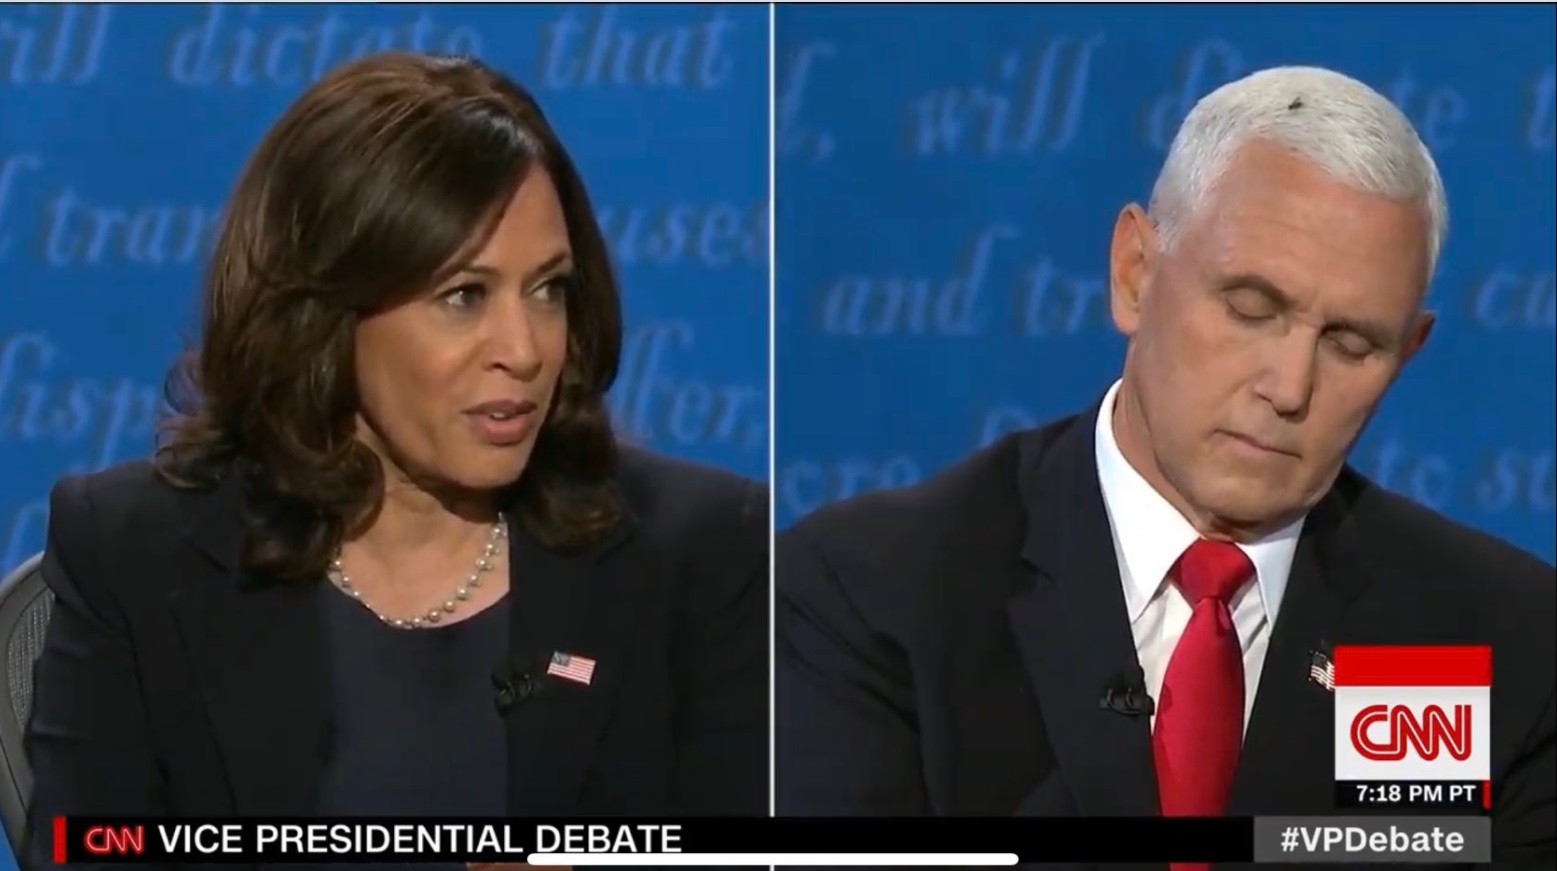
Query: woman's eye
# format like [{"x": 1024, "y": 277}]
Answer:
[
  {"x": 553, "y": 289},
  {"x": 463, "y": 297}
]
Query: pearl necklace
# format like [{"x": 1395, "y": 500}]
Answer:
[{"x": 434, "y": 615}]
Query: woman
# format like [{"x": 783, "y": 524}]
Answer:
[{"x": 389, "y": 558}]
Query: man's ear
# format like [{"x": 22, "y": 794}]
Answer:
[
  {"x": 1132, "y": 258},
  {"x": 1418, "y": 335}
]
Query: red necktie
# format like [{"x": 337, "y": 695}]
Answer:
[{"x": 1199, "y": 727}]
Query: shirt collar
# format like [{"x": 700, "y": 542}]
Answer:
[{"x": 1150, "y": 534}]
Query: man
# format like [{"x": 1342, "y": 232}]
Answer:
[{"x": 1115, "y": 614}]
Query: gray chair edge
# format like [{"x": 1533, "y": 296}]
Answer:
[{"x": 17, "y": 592}]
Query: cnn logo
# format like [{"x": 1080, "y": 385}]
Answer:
[
  {"x": 1384, "y": 733},
  {"x": 1413, "y": 717},
  {"x": 114, "y": 840}
]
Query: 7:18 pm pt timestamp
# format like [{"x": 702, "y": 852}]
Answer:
[{"x": 1437, "y": 795}]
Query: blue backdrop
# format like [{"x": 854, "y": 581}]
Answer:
[
  {"x": 122, "y": 129},
  {"x": 947, "y": 183}
]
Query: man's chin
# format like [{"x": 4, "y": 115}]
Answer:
[{"x": 1247, "y": 504}]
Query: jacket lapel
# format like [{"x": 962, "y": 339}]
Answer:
[
  {"x": 580, "y": 605},
  {"x": 256, "y": 650},
  {"x": 1288, "y": 760},
  {"x": 1069, "y": 619}
]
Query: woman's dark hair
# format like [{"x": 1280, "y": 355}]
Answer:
[{"x": 374, "y": 186}]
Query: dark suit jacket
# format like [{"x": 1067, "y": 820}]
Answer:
[
  {"x": 942, "y": 649},
  {"x": 171, "y": 683}
]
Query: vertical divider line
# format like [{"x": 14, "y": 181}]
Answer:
[{"x": 772, "y": 407}]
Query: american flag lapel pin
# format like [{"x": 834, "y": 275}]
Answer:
[
  {"x": 1321, "y": 670},
  {"x": 570, "y": 666}
]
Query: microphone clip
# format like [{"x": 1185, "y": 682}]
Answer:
[
  {"x": 1128, "y": 697},
  {"x": 511, "y": 688}
]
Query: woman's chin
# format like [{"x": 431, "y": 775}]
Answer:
[{"x": 494, "y": 474}]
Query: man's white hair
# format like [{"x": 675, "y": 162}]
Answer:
[{"x": 1334, "y": 122}]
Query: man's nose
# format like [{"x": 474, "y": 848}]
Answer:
[{"x": 1288, "y": 380}]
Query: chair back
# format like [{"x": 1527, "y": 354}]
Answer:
[{"x": 25, "y": 604}]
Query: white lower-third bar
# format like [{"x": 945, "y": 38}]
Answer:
[{"x": 687, "y": 860}]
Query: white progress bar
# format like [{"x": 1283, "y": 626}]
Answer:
[{"x": 685, "y": 860}]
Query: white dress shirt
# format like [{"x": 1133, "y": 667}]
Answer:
[{"x": 1149, "y": 537}]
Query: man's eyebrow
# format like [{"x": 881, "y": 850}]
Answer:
[
  {"x": 1257, "y": 282},
  {"x": 1376, "y": 333}
]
